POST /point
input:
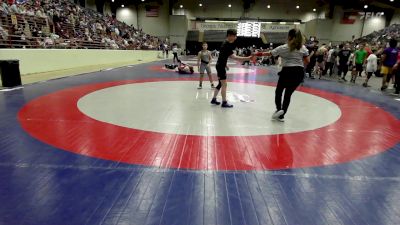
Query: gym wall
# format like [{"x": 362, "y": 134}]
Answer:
[
  {"x": 333, "y": 30},
  {"x": 396, "y": 17},
  {"x": 128, "y": 15},
  {"x": 178, "y": 27},
  {"x": 158, "y": 26},
  {"x": 285, "y": 9},
  {"x": 325, "y": 29}
]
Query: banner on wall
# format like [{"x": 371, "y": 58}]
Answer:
[
  {"x": 352, "y": 17},
  {"x": 269, "y": 28},
  {"x": 276, "y": 28},
  {"x": 202, "y": 26},
  {"x": 349, "y": 17},
  {"x": 152, "y": 11}
]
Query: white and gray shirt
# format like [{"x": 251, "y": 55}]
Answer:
[{"x": 290, "y": 58}]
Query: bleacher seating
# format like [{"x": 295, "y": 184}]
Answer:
[{"x": 67, "y": 25}]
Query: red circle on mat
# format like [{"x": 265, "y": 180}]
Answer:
[
  {"x": 255, "y": 71},
  {"x": 363, "y": 130}
]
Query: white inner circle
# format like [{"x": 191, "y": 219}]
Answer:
[{"x": 177, "y": 107}]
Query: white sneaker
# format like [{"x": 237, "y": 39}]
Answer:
[
  {"x": 280, "y": 120},
  {"x": 277, "y": 114}
]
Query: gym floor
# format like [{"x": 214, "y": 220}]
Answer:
[{"x": 142, "y": 145}]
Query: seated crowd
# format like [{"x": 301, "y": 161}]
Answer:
[{"x": 63, "y": 24}]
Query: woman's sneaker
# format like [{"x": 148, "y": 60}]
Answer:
[{"x": 277, "y": 114}]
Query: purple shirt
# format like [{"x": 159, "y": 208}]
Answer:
[{"x": 391, "y": 57}]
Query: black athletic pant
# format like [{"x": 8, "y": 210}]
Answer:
[
  {"x": 343, "y": 68},
  {"x": 329, "y": 66},
  {"x": 397, "y": 79},
  {"x": 310, "y": 67},
  {"x": 290, "y": 78},
  {"x": 175, "y": 57}
]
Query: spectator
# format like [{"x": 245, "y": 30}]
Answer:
[
  {"x": 91, "y": 26},
  {"x": 3, "y": 8},
  {"x": 14, "y": 9},
  {"x": 40, "y": 13},
  {"x": 3, "y": 33}
]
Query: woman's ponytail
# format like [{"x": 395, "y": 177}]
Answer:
[{"x": 297, "y": 39}]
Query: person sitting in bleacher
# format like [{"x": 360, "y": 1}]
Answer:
[
  {"x": 3, "y": 8},
  {"x": 14, "y": 9},
  {"x": 69, "y": 21}
]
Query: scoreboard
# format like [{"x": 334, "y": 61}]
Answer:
[{"x": 249, "y": 29}]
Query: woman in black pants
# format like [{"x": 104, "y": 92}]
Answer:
[{"x": 294, "y": 55}]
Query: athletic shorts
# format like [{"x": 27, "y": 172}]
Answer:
[
  {"x": 221, "y": 72},
  {"x": 386, "y": 70},
  {"x": 204, "y": 67},
  {"x": 359, "y": 67}
]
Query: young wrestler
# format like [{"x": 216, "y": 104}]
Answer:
[{"x": 226, "y": 52}]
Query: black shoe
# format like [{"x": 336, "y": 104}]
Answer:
[
  {"x": 383, "y": 88},
  {"x": 344, "y": 79},
  {"x": 212, "y": 86},
  {"x": 215, "y": 102},
  {"x": 365, "y": 85},
  {"x": 281, "y": 118},
  {"x": 226, "y": 105}
]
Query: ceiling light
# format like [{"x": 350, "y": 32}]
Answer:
[
  {"x": 268, "y": 6},
  {"x": 229, "y": 5},
  {"x": 297, "y": 7},
  {"x": 122, "y": 6},
  {"x": 181, "y": 6},
  {"x": 365, "y": 6},
  {"x": 200, "y": 5},
  {"x": 314, "y": 10}
]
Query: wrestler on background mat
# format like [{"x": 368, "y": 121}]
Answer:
[{"x": 204, "y": 59}]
